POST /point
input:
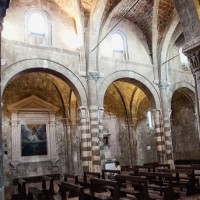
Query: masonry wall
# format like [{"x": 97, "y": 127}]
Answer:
[{"x": 67, "y": 134}]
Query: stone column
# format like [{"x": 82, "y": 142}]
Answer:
[
  {"x": 4, "y": 4},
  {"x": 94, "y": 119},
  {"x": 52, "y": 130},
  {"x": 163, "y": 86},
  {"x": 101, "y": 144},
  {"x": 160, "y": 143},
  {"x": 16, "y": 149},
  {"x": 86, "y": 144},
  {"x": 133, "y": 142},
  {"x": 194, "y": 58}
]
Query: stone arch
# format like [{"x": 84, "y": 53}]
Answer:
[
  {"x": 48, "y": 66},
  {"x": 132, "y": 77},
  {"x": 184, "y": 122},
  {"x": 165, "y": 46},
  {"x": 187, "y": 88}
]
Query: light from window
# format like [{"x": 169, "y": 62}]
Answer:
[
  {"x": 36, "y": 24},
  {"x": 183, "y": 58},
  {"x": 117, "y": 43},
  {"x": 150, "y": 119}
]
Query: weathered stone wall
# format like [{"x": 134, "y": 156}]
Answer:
[
  {"x": 45, "y": 87},
  {"x": 184, "y": 128},
  {"x": 146, "y": 143}
]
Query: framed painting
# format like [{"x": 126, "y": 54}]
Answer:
[{"x": 33, "y": 140}]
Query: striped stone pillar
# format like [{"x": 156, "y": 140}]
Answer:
[
  {"x": 168, "y": 140},
  {"x": 102, "y": 153},
  {"x": 94, "y": 128},
  {"x": 86, "y": 143},
  {"x": 164, "y": 88},
  {"x": 160, "y": 143}
]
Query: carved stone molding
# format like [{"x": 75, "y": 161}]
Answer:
[
  {"x": 93, "y": 75},
  {"x": 194, "y": 58},
  {"x": 83, "y": 112},
  {"x": 32, "y": 111},
  {"x": 162, "y": 84}
]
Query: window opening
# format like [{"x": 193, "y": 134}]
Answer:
[
  {"x": 36, "y": 24},
  {"x": 150, "y": 119},
  {"x": 183, "y": 58},
  {"x": 117, "y": 43}
]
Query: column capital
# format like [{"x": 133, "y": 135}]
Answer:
[
  {"x": 83, "y": 112},
  {"x": 194, "y": 58},
  {"x": 162, "y": 84}
]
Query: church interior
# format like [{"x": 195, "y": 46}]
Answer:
[{"x": 85, "y": 83}]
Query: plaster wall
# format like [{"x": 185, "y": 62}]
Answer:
[
  {"x": 137, "y": 53},
  {"x": 62, "y": 26}
]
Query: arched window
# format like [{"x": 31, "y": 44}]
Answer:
[
  {"x": 183, "y": 59},
  {"x": 117, "y": 43},
  {"x": 119, "y": 46},
  {"x": 37, "y": 27},
  {"x": 36, "y": 24}
]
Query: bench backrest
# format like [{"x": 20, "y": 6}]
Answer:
[
  {"x": 70, "y": 187},
  {"x": 138, "y": 168},
  {"x": 104, "y": 171},
  {"x": 97, "y": 182},
  {"x": 158, "y": 177},
  {"x": 158, "y": 166},
  {"x": 48, "y": 179},
  {"x": 21, "y": 187},
  {"x": 139, "y": 183},
  {"x": 71, "y": 178},
  {"x": 35, "y": 193},
  {"x": 89, "y": 175}
]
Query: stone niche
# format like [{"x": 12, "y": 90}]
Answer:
[{"x": 33, "y": 131}]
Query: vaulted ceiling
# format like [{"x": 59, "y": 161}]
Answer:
[{"x": 148, "y": 15}]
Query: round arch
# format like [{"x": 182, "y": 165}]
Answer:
[
  {"x": 132, "y": 77},
  {"x": 48, "y": 66},
  {"x": 187, "y": 88},
  {"x": 165, "y": 46}
]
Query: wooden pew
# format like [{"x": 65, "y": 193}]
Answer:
[
  {"x": 86, "y": 178},
  {"x": 139, "y": 186},
  {"x": 140, "y": 168},
  {"x": 48, "y": 181},
  {"x": 110, "y": 172},
  {"x": 183, "y": 178},
  {"x": 161, "y": 182},
  {"x": 73, "y": 179},
  {"x": 36, "y": 179},
  {"x": 35, "y": 193},
  {"x": 66, "y": 188},
  {"x": 20, "y": 194},
  {"x": 158, "y": 166},
  {"x": 100, "y": 184}
]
